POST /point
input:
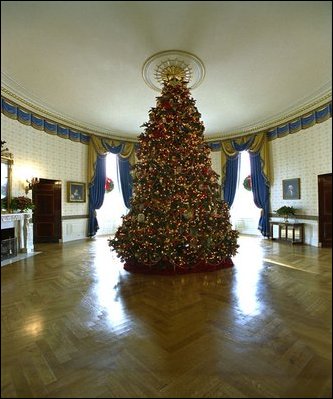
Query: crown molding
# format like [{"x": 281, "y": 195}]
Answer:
[
  {"x": 299, "y": 109},
  {"x": 17, "y": 94}
]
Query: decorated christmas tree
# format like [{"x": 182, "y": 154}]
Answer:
[{"x": 177, "y": 222}]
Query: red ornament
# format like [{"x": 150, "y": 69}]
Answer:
[{"x": 166, "y": 105}]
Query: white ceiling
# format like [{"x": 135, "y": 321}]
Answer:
[{"x": 265, "y": 61}]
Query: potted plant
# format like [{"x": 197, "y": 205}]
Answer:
[
  {"x": 286, "y": 211},
  {"x": 21, "y": 204}
]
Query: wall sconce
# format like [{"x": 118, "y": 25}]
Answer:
[{"x": 29, "y": 186}]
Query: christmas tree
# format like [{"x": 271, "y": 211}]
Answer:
[{"x": 177, "y": 222}]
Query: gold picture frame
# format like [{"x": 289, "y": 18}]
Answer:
[{"x": 76, "y": 191}]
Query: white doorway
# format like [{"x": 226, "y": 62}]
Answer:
[
  {"x": 109, "y": 215},
  {"x": 244, "y": 214}
]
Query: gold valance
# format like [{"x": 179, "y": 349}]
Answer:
[
  {"x": 98, "y": 146},
  {"x": 259, "y": 144}
]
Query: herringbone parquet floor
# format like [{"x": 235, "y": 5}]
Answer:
[{"x": 75, "y": 324}]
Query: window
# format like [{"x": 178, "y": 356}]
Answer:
[
  {"x": 109, "y": 215},
  {"x": 244, "y": 213}
]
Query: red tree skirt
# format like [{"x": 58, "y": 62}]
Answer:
[{"x": 167, "y": 268}]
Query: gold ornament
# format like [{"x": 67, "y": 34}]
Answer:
[
  {"x": 188, "y": 215},
  {"x": 141, "y": 217}
]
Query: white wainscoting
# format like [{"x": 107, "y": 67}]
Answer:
[
  {"x": 311, "y": 232},
  {"x": 74, "y": 229},
  {"x": 246, "y": 226}
]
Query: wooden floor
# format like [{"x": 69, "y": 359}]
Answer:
[{"x": 75, "y": 324}]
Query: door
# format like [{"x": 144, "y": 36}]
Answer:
[
  {"x": 47, "y": 213},
  {"x": 325, "y": 209}
]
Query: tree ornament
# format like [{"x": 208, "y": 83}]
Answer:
[
  {"x": 188, "y": 215},
  {"x": 141, "y": 217}
]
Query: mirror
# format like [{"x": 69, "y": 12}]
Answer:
[{"x": 6, "y": 181}]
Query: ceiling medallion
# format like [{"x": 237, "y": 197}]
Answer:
[{"x": 173, "y": 64}]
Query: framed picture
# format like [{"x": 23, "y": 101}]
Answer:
[
  {"x": 76, "y": 192},
  {"x": 291, "y": 189}
]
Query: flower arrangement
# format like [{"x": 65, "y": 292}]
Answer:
[
  {"x": 109, "y": 185},
  {"x": 247, "y": 183},
  {"x": 21, "y": 203}
]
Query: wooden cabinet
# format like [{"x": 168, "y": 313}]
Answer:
[{"x": 292, "y": 232}]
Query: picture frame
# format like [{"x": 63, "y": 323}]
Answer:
[
  {"x": 291, "y": 189},
  {"x": 76, "y": 191}
]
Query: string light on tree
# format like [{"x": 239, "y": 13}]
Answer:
[{"x": 177, "y": 222}]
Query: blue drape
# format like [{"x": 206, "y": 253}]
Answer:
[
  {"x": 113, "y": 150},
  {"x": 243, "y": 146},
  {"x": 96, "y": 194},
  {"x": 232, "y": 168},
  {"x": 230, "y": 184},
  {"x": 97, "y": 188},
  {"x": 260, "y": 190},
  {"x": 124, "y": 175},
  {"x": 123, "y": 172},
  {"x": 260, "y": 186}
]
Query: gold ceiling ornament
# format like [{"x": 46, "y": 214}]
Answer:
[
  {"x": 173, "y": 65},
  {"x": 173, "y": 69}
]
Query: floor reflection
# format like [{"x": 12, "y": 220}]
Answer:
[
  {"x": 248, "y": 274},
  {"x": 75, "y": 312},
  {"x": 115, "y": 288},
  {"x": 104, "y": 290},
  {"x": 34, "y": 327}
]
